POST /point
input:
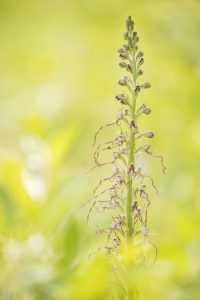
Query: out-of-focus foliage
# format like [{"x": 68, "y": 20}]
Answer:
[{"x": 58, "y": 73}]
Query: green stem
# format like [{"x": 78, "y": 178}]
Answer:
[
  {"x": 130, "y": 229},
  {"x": 130, "y": 181}
]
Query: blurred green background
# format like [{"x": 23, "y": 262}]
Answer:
[{"x": 58, "y": 74}]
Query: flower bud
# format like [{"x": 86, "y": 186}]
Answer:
[
  {"x": 123, "y": 56},
  {"x": 123, "y": 81},
  {"x": 139, "y": 72},
  {"x": 120, "y": 50},
  {"x": 126, "y": 35},
  {"x": 129, "y": 24},
  {"x": 120, "y": 134},
  {"x": 122, "y": 98},
  {"x": 146, "y": 147},
  {"x": 123, "y": 150},
  {"x": 147, "y": 111},
  {"x": 129, "y": 67},
  {"x": 132, "y": 167},
  {"x": 132, "y": 124},
  {"x": 116, "y": 155},
  {"x": 149, "y": 134},
  {"x": 146, "y": 85},
  {"x": 140, "y": 54},
  {"x": 122, "y": 64},
  {"x": 137, "y": 89},
  {"x": 126, "y": 47},
  {"x": 134, "y": 34},
  {"x": 136, "y": 39},
  {"x": 141, "y": 61},
  {"x": 126, "y": 112},
  {"x": 122, "y": 216},
  {"x": 124, "y": 101}
]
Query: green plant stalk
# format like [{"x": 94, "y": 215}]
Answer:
[{"x": 131, "y": 159}]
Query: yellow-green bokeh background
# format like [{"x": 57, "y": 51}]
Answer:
[{"x": 58, "y": 74}]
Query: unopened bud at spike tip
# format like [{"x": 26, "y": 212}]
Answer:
[
  {"x": 129, "y": 24},
  {"x": 126, "y": 36}
]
